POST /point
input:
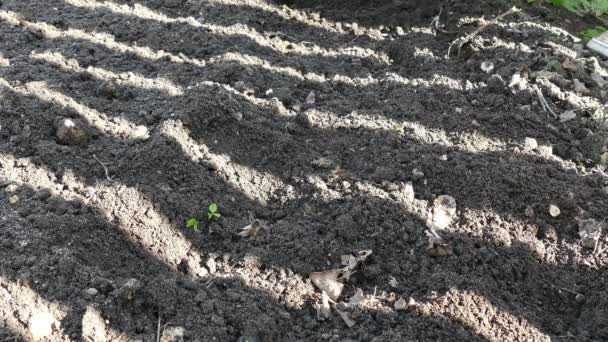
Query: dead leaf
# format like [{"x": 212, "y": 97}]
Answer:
[
  {"x": 357, "y": 299},
  {"x": 411, "y": 303},
  {"x": 251, "y": 230},
  {"x": 393, "y": 282},
  {"x": 346, "y": 318},
  {"x": 323, "y": 308},
  {"x": 328, "y": 281},
  {"x": 351, "y": 261}
]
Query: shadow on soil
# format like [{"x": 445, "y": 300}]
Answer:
[{"x": 261, "y": 165}]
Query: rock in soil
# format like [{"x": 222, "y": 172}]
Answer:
[{"x": 70, "y": 131}]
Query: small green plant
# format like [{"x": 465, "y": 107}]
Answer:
[
  {"x": 212, "y": 212},
  {"x": 192, "y": 223},
  {"x": 593, "y": 32}
]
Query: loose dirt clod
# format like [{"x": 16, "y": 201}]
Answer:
[
  {"x": 444, "y": 208},
  {"x": 70, "y": 131},
  {"x": 590, "y": 231},
  {"x": 487, "y": 67}
]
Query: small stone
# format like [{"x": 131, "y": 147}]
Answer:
[
  {"x": 530, "y": 144},
  {"x": 580, "y": 298},
  {"x": 11, "y": 188},
  {"x": 311, "y": 99},
  {"x": 458, "y": 110},
  {"x": 323, "y": 163},
  {"x": 475, "y": 123},
  {"x": 70, "y": 131},
  {"x": 13, "y": 199},
  {"x": 399, "y": 31},
  {"x": 529, "y": 212},
  {"x": 238, "y": 116},
  {"x": 554, "y": 210},
  {"x": 401, "y": 304},
  {"x": 443, "y": 157},
  {"x": 91, "y": 291},
  {"x": 487, "y": 67},
  {"x": 269, "y": 92},
  {"x": 417, "y": 174},
  {"x": 173, "y": 334},
  {"x": 567, "y": 116}
]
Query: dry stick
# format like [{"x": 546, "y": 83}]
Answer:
[
  {"x": 158, "y": 329},
  {"x": 105, "y": 169},
  {"x": 474, "y": 34},
  {"x": 544, "y": 102},
  {"x": 565, "y": 289}
]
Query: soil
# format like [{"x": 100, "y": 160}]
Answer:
[{"x": 174, "y": 105}]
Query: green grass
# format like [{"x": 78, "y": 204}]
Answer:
[
  {"x": 596, "y": 8},
  {"x": 593, "y": 32}
]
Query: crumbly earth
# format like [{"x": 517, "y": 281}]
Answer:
[{"x": 312, "y": 117}]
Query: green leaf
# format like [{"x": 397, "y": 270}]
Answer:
[
  {"x": 192, "y": 223},
  {"x": 218, "y": 215},
  {"x": 213, "y": 208}
]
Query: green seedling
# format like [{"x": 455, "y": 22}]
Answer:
[
  {"x": 192, "y": 223},
  {"x": 212, "y": 212}
]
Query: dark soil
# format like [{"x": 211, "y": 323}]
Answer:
[{"x": 187, "y": 103}]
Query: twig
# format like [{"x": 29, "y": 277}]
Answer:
[
  {"x": 474, "y": 34},
  {"x": 567, "y": 290},
  {"x": 158, "y": 328},
  {"x": 543, "y": 101},
  {"x": 105, "y": 169}
]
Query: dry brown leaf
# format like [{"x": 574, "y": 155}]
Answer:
[
  {"x": 251, "y": 230},
  {"x": 328, "y": 281},
  {"x": 393, "y": 282},
  {"x": 346, "y": 318},
  {"x": 323, "y": 308},
  {"x": 357, "y": 299}
]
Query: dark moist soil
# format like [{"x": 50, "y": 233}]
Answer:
[{"x": 182, "y": 113}]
